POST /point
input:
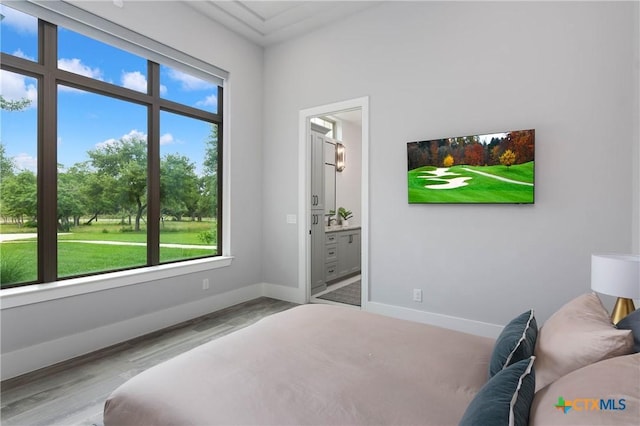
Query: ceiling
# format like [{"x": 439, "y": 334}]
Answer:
[
  {"x": 270, "y": 22},
  {"x": 354, "y": 116}
]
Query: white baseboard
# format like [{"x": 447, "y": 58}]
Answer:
[
  {"x": 281, "y": 292},
  {"x": 454, "y": 323},
  {"x": 54, "y": 351},
  {"x": 51, "y": 352}
]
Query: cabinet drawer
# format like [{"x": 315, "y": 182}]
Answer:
[
  {"x": 330, "y": 238},
  {"x": 331, "y": 271},
  {"x": 331, "y": 253}
]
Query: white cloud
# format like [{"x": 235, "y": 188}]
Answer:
[
  {"x": 211, "y": 100},
  {"x": 20, "y": 54},
  {"x": 166, "y": 139},
  {"x": 76, "y": 66},
  {"x": 133, "y": 134},
  {"x": 108, "y": 142},
  {"x": 20, "y": 22},
  {"x": 189, "y": 82},
  {"x": 15, "y": 87},
  {"x": 134, "y": 81},
  {"x": 25, "y": 162}
]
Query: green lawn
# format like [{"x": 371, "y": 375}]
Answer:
[
  {"x": 18, "y": 258},
  {"x": 480, "y": 189},
  {"x": 170, "y": 232}
]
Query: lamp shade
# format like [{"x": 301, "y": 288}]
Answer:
[{"x": 616, "y": 275}]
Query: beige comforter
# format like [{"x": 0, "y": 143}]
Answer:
[{"x": 313, "y": 364}]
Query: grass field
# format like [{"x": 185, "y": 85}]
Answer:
[
  {"x": 18, "y": 258},
  {"x": 479, "y": 188}
]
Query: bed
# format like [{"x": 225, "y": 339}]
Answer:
[{"x": 328, "y": 365}]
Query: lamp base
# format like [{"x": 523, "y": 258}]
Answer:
[{"x": 622, "y": 308}]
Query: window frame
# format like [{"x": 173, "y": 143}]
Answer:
[{"x": 49, "y": 77}]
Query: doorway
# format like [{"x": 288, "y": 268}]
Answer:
[{"x": 349, "y": 113}]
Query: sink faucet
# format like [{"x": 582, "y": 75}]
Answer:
[{"x": 329, "y": 219}]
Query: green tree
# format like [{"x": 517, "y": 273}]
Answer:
[
  {"x": 98, "y": 195},
  {"x": 14, "y": 201},
  {"x": 208, "y": 201},
  {"x": 19, "y": 196},
  {"x": 7, "y": 165},
  {"x": 70, "y": 200},
  {"x": 125, "y": 161},
  {"x": 179, "y": 186},
  {"x": 17, "y": 105}
]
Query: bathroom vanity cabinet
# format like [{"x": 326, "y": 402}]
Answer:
[
  {"x": 342, "y": 253},
  {"x": 317, "y": 250}
]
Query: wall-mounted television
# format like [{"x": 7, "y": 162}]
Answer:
[{"x": 493, "y": 168}]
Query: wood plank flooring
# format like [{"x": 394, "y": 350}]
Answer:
[{"x": 73, "y": 392}]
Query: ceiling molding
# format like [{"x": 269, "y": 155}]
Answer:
[{"x": 270, "y": 22}]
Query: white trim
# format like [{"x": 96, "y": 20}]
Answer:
[
  {"x": 61, "y": 13},
  {"x": 304, "y": 189},
  {"x": 51, "y": 352},
  {"x": 54, "y": 351},
  {"x": 226, "y": 168},
  {"x": 281, "y": 292},
  {"x": 36, "y": 293},
  {"x": 478, "y": 328}
]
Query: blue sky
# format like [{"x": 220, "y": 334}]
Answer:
[{"x": 87, "y": 121}]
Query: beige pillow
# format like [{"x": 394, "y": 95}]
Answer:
[
  {"x": 578, "y": 334},
  {"x": 613, "y": 381}
]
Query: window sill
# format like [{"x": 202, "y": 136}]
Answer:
[{"x": 27, "y": 295}]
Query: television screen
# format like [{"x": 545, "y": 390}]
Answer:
[{"x": 494, "y": 168}]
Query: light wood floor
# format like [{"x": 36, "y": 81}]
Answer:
[{"x": 73, "y": 392}]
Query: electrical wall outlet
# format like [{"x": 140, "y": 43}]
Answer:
[
  {"x": 417, "y": 295},
  {"x": 205, "y": 284}
]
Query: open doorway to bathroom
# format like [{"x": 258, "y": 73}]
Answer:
[{"x": 334, "y": 238}]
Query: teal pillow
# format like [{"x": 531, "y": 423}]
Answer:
[
  {"x": 505, "y": 399},
  {"x": 632, "y": 322},
  {"x": 516, "y": 342}
]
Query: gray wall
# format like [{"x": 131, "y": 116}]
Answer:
[
  {"x": 173, "y": 24},
  {"x": 432, "y": 70}
]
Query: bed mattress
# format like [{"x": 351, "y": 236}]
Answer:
[{"x": 312, "y": 365}]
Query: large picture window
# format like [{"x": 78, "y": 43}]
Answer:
[{"x": 108, "y": 160}]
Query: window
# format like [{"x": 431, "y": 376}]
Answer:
[
  {"x": 109, "y": 161},
  {"x": 18, "y": 177},
  {"x": 19, "y": 33},
  {"x": 324, "y": 125}
]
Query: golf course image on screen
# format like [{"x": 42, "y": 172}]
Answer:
[{"x": 492, "y": 168}]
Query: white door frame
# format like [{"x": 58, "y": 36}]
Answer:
[{"x": 304, "y": 191}]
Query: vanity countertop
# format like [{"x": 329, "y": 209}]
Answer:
[{"x": 336, "y": 228}]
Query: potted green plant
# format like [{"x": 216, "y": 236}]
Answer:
[{"x": 345, "y": 215}]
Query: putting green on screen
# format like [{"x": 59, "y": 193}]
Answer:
[{"x": 472, "y": 184}]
